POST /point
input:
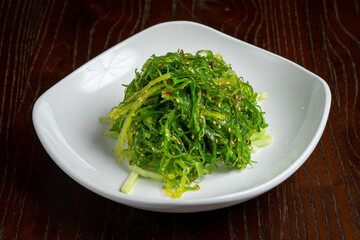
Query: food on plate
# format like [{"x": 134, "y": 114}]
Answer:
[{"x": 183, "y": 115}]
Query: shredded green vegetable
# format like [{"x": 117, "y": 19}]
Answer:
[{"x": 182, "y": 116}]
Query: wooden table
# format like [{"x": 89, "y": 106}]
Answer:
[{"x": 41, "y": 42}]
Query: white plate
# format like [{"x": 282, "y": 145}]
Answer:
[{"x": 66, "y": 118}]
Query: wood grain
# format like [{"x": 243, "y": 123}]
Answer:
[{"x": 43, "y": 41}]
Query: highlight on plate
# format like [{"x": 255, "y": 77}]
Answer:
[{"x": 184, "y": 115}]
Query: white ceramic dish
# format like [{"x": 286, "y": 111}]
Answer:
[{"x": 66, "y": 118}]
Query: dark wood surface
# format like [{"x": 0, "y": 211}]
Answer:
[{"x": 42, "y": 41}]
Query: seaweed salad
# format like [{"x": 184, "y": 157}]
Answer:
[{"x": 182, "y": 116}]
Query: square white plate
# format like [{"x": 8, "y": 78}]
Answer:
[{"x": 66, "y": 118}]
